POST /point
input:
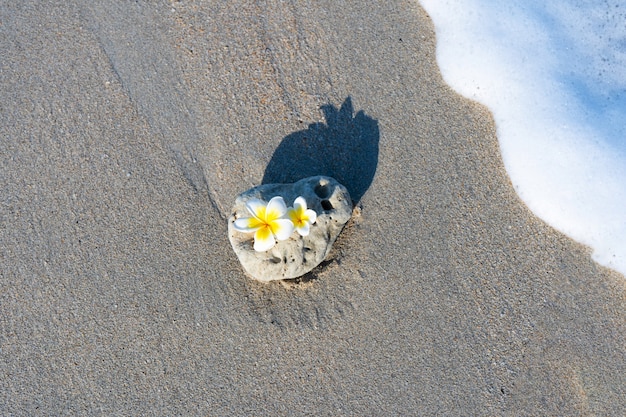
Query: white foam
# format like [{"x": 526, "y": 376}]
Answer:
[{"x": 554, "y": 76}]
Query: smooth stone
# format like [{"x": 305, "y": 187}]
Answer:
[{"x": 297, "y": 255}]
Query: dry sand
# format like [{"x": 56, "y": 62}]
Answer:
[{"x": 128, "y": 128}]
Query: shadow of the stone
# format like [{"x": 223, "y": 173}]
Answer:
[{"x": 345, "y": 148}]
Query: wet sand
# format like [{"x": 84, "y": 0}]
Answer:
[{"x": 126, "y": 131}]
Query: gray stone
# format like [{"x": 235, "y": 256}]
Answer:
[{"x": 297, "y": 255}]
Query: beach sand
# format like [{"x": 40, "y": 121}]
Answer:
[{"x": 128, "y": 128}]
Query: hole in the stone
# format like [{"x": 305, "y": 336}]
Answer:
[
  {"x": 274, "y": 260},
  {"x": 326, "y": 205},
  {"x": 322, "y": 190}
]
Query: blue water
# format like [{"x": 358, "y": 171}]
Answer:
[{"x": 554, "y": 76}]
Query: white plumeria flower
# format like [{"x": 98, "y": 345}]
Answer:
[
  {"x": 301, "y": 217},
  {"x": 267, "y": 223}
]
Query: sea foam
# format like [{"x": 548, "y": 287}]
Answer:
[{"x": 554, "y": 76}]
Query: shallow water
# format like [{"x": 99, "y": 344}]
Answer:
[{"x": 554, "y": 76}]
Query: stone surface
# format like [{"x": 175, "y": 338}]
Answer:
[{"x": 297, "y": 255}]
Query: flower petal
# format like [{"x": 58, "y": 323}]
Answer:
[
  {"x": 276, "y": 209},
  {"x": 304, "y": 229},
  {"x": 247, "y": 224},
  {"x": 257, "y": 208},
  {"x": 300, "y": 202},
  {"x": 292, "y": 214},
  {"x": 311, "y": 216},
  {"x": 282, "y": 228},
  {"x": 263, "y": 239}
]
